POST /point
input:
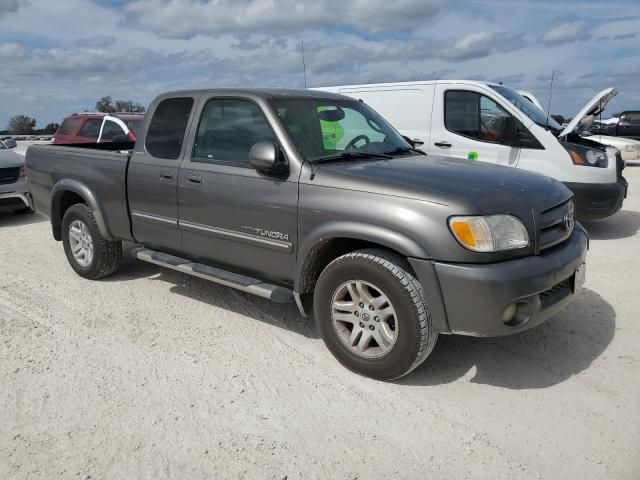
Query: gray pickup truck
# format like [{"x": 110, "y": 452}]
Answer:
[{"x": 312, "y": 197}]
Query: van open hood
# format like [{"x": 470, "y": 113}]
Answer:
[{"x": 583, "y": 120}]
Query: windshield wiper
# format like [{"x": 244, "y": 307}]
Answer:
[
  {"x": 398, "y": 150},
  {"x": 351, "y": 155}
]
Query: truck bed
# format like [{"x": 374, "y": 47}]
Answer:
[{"x": 90, "y": 170}]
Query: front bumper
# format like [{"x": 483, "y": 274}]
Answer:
[
  {"x": 10, "y": 201},
  {"x": 598, "y": 200},
  {"x": 470, "y": 299}
]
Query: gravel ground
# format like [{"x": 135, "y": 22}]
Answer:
[{"x": 153, "y": 374}]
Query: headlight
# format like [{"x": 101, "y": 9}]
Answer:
[
  {"x": 588, "y": 157},
  {"x": 489, "y": 234}
]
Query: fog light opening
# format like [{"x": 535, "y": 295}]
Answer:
[{"x": 517, "y": 314}]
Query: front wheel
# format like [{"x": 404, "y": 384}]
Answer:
[
  {"x": 88, "y": 252},
  {"x": 371, "y": 314}
]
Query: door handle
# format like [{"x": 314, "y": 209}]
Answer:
[
  {"x": 194, "y": 179},
  {"x": 166, "y": 177},
  {"x": 417, "y": 142},
  {"x": 443, "y": 144}
]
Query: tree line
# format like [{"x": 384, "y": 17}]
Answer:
[{"x": 25, "y": 125}]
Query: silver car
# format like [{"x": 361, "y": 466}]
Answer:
[{"x": 14, "y": 195}]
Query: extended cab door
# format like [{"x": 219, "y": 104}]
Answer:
[
  {"x": 467, "y": 123},
  {"x": 230, "y": 214},
  {"x": 152, "y": 184}
]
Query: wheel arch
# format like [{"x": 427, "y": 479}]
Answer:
[
  {"x": 326, "y": 243},
  {"x": 69, "y": 192}
]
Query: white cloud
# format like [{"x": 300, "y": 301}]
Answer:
[
  {"x": 187, "y": 18},
  {"x": 565, "y": 33}
]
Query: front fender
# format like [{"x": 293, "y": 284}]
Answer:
[
  {"x": 87, "y": 195},
  {"x": 315, "y": 243}
]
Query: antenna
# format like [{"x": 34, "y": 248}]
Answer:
[
  {"x": 304, "y": 65},
  {"x": 553, "y": 74}
]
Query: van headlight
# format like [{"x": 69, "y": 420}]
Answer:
[
  {"x": 585, "y": 156},
  {"x": 492, "y": 233}
]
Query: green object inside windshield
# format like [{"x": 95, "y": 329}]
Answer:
[{"x": 323, "y": 127}]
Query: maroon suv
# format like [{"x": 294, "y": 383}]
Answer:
[{"x": 98, "y": 128}]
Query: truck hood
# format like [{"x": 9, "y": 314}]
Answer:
[
  {"x": 594, "y": 107},
  {"x": 475, "y": 187},
  {"x": 9, "y": 158}
]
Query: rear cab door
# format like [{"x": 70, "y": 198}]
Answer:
[
  {"x": 467, "y": 123},
  {"x": 153, "y": 171}
]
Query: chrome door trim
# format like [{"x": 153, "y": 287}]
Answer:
[{"x": 277, "y": 245}]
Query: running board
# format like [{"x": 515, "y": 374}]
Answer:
[{"x": 254, "y": 286}]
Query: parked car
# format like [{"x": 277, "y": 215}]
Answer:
[
  {"x": 14, "y": 195},
  {"x": 9, "y": 142},
  {"x": 312, "y": 197},
  {"x": 629, "y": 149},
  {"x": 626, "y": 125},
  {"x": 493, "y": 123},
  {"x": 98, "y": 128}
]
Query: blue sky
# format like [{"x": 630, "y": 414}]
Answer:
[{"x": 60, "y": 57}]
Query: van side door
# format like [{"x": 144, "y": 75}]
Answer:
[
  {"x": 231, "y": 214},
  {"x": 152, "y": 184},
  {"x": 468, "y": 124}
]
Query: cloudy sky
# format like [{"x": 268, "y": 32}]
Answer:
[{"x": 59, "y": 57}]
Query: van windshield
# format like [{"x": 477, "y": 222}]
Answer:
[
  {"x": 526, "y": 107},
  {"x": 326, "y": 127}
]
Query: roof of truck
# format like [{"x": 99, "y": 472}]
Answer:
[{"x": 262, "y": 92}]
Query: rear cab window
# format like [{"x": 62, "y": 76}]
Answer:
[{"x": 167, "y": 128}]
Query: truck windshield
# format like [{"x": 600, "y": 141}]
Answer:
[
  {"x": 526, "y": 107},
  {"x": 327, "y": 127}
]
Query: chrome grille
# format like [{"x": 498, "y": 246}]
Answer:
[
  {"x": 556, "y": 224},
  {"x": 9, "y": 175}
]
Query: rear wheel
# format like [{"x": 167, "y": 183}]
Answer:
[
  {"x": 88, "y": 252},
  {"x": 371, "y": 314}
]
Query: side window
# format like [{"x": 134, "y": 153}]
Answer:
[
  {"x": 228, "y": 129},
  {"x": 68, "y": 126},
  {"x": 91, "y": 128},
  {"x": 462, "y": 113},
  {"x": 632, "y": 117},
  {"x": 474, "y": 115},
  {"x": 167, "y": 128},
  {"x": 492, "y": 119},
  {"x": 111, "y": 131}
]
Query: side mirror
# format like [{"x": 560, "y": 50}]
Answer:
[
  {"x": 510, "y": 135},
  {"x": 265, "y": 157}
]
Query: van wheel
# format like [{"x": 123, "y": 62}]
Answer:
[
  {"x": 371, "y": 314},
  {"x": 88, "y": 253}
]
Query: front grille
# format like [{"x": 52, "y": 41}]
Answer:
[
  {"x": 9, "y": 175},
  {"x": 553, "y": 226},
  {"x": 556, "y": 293}
]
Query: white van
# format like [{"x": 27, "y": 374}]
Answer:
[{"x": 493, "y": 123}]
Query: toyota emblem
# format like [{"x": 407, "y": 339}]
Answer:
[{"x": 569, "y": 217}]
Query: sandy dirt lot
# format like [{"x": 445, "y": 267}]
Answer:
[{"x": 152, "y": 374}]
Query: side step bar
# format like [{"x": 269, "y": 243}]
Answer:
[{"x": 254, "y": 286}]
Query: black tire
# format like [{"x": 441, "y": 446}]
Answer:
[
  {"x": 107, "y": 254},
  {"x": 391, "y": 274}
]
